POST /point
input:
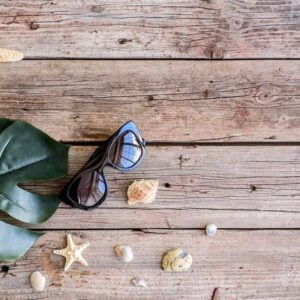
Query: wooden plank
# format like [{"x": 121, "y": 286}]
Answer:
[
  {"x": 160, "y": 29},
  {"x": 240, "y": 264},
  {"x": 234, "y": 187},
  {"x": 134, "y": 218},
  {"x": 171, "y": 101}
]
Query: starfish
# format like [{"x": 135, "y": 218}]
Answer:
[{"x": 72, "y": 253}]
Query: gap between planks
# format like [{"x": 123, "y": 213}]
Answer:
[
  {"x": 156, "y": 230},
  {"x": 191, "y": 144},
  {"x": 162, "y": 59}
]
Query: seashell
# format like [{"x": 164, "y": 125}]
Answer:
[
  {"x": 124, "y": 252},
  {"x": 7, "y": 55},
  {"x": 176, "y": 260},
  {"x": 211, "y": 229},
  {"x": 142, "y": 191},
  {"x": 38, "y": 281},
  {"x": 139, "y": 281}
]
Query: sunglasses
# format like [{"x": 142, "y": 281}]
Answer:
[{"x": 124, "y": 151}]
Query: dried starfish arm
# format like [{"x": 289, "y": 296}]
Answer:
[
  {"x": 68, "y": 263},
  {"x": 70, "y": 241},
  {"x": 7, "y": 55},
  {"x": 82, "y": 261}
]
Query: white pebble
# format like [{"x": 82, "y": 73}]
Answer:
[
  {"x": 38, "y": 281},
  {"x": 124, "y": 252},
  {"x": 211, "y": 229}
]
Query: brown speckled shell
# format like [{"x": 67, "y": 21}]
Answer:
[{"x": 176, "y": 260}]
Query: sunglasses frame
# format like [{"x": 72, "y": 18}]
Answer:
[{"x": 99, "y": 160}]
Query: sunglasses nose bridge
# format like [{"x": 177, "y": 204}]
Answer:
[{"x": 144, "y": 142}]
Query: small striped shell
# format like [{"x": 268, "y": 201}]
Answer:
[
  {"x": 7, "y": 55},
  {"x": 142, "y": 191}
]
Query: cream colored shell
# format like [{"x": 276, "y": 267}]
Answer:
[
  {"x": 142, "y": 191},
  {"x": 176, "y": 260},
  {"x": 124, "y": 252},
  {"x": 38, "y": 281},
  {"x": 7, "y": 55}
]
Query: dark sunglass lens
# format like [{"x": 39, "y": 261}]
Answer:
[
  {"x": 126, "y": 151},
  {"x": 89, "y": 188}
]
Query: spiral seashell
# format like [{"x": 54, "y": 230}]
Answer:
[
  {"x": 142, "y": 191},
  {"x": 38, "y": 281},
  {"x": 124, "y": 252},
  {"x": 176, "y": 260},
  {"x": 7, "y": 55}
]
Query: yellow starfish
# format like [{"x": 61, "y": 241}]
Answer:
[{"x": 72, "y": 253}]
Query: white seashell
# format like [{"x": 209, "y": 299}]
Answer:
[
  {"x": 176, "y": 260},
  {"x": 7, "y": 55},
  {"x": 124, "y": 252},
  {"x": 139, "y": 281},
  {"x": 142, "y": 191},
  {"x": 211, "y": 229},
  {"x": 38, "y": 281}
]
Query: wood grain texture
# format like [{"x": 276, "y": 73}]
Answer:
[
  {"x": 239, "y": 264},
  {"x": 231, "y": 186},
  {"x": 179, "y": 101},
  {"x": 160, "y": 29}
]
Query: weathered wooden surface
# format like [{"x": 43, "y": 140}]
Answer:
[
  {"x": 172, "y": 101},
  {"x": 233, "y": 265},
  {"x": 160, "y": 29},
  {"x": 178, "y": 104},
  {"x": 255, "y": 187}
]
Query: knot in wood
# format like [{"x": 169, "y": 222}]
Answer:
[
  {"x": 236, "y": 23},
  {"x": 266, "y": 94},
  {"x": 97, "y": 9},
  {"x": 214, "y": 52},
  {"x": 33, "y": 26},
  {"x": 218, "y": 53}
]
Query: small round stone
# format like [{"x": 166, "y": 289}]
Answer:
[{"x": 211, "y": 229}]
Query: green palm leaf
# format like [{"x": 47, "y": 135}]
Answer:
[
  {"x": 15, "y": 241},
  {"x": 26, "y": 154}
]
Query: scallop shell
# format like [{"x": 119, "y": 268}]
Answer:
[
  {"x": 176, "y": 260},
  {"x": 142, "y": 191},
  {"x": 7, "y": 55},
  {"x": 211, "y": 229},
  {"x": 38, "y": 281},
  {"x": 124, "y": 252},
  {"x": 139, "y": 281}
]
